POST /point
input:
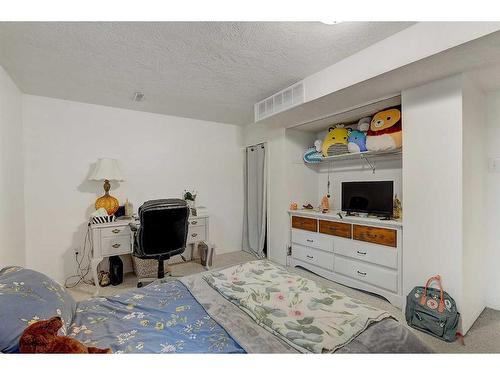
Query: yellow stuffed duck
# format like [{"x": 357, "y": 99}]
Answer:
[{"x": 335, "y": 142}]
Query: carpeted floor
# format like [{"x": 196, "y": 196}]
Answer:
[{"x": 483, "y": 337}]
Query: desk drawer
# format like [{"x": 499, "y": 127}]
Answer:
[
  {"x": 312, "y": 256},
  {"x": 316, "y": 240},
  {"x": 381, "y": 236},
  {"x": 335, "y": 228},
  {"x": 305, "y": 223},
  {"x": 378, "y": 254},
  {"x": 123, "y": 230},
  {"x": 115, "y": 245},
  {"x": 193, "y": 221},
  {"x": 367, "y": 273},
  {"x": 196, "y": 233}
]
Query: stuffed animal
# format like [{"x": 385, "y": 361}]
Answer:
[
  {"x": 364, "y": 124},
  {"x": 357, "y": 141},
  {"x": 385, "y": 131},
  {"x": 335, "y": 142},
  {"x": 41, "y": 337},
  {"x": 313, "y": 154}
]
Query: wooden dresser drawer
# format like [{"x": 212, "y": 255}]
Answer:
[
  {"x": 312, "y": 256},
  {"x": 335, "y": 228},
  {"x": 371, "y": 274},
  {"x": 381, "y": 236},
  {"x": 316, "y": 240},
  {"x": 305, "y": 223},
  {"x": 115, "y": 245},
  {"x": 123, "y": 230},
  {"x": 367, "y": 252}
]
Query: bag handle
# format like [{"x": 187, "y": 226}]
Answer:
[{"x": 423, "y": 300}]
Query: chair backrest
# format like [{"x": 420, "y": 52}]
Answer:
[{"x": 163, "y": 229}]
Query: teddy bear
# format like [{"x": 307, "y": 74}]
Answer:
[
  {"x": 41, "y": 337},
  {"x": 335, "y": 142},
  {"x": 385, "y": 131}
]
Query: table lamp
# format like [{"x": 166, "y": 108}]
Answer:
[{"x": 107, "y": 170}]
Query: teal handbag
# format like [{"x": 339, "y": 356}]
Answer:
[{"x": 433, "y": 311}]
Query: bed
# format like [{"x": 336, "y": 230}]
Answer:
[{"x": 204, "y": 313}]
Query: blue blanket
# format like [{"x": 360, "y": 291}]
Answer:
[{"x": 160, "y": 318}]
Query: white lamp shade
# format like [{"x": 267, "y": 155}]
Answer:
[{"x": 106, "y": 169}]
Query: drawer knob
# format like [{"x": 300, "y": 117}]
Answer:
[
  {"x": 194, "y": 234},
  {"x": 310, "y": 256},
  {"x": 194, "y": 222},
  {"x": 116, "y": 231},
  {"x": 361, "y": 273},
  {"x": 361, "y": 253},
  {"x": 116, "y": 245},
  {"x": 309, "y": 240}
]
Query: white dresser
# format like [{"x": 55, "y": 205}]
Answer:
[
  {"x": 363, "y": 253},
  {"x": 116, "y": 238}
]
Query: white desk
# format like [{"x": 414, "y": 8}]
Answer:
[{"x": 116, "y": 238}]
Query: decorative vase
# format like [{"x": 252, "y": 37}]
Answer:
[{"x": 109, "y": 203}]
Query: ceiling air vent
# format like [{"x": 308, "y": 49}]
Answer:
[{"x": 285, "y": 99}]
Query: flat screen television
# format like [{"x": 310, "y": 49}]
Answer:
[{"x": 371, "y": 197}]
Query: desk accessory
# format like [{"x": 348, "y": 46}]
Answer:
[
  {"x": 107, "y": 170},
  {"x": 101, "y": 216},
  {"x": 129, "y": 209},
  {"x": 190, "y": 198}
]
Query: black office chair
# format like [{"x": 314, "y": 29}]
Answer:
[{"x": 162, "y": 232}]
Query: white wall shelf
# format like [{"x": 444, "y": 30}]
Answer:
[
  {"x": 366, "y": 156},
  {"x": 363, "y": 155}
]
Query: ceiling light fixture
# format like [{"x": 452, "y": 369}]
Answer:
[
  {"x": 138, "y": 96},
  {"x": 331, "y": 22}
]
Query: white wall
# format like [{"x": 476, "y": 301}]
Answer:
[
  {"x": 12, "y": 249},
  {"x": 160, "y": 155},
  {"x": 474, "y": 192},
  {"x": 493, "y": 198},
  {"x": 432, "y": 185},
  {"x": 444, "y": 184},
  {"x": 302, "y": 179}
]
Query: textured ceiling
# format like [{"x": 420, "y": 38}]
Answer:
[{"x": 206, "y": 70}]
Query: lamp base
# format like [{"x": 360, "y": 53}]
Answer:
[{"x": 109, "y": 203}]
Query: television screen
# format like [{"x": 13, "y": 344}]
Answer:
[{"x": 373, "y": 197}]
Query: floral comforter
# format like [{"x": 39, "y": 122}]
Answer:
[
  {"x": 160, "y": 318},
  {"x": 309, "y": 317}
]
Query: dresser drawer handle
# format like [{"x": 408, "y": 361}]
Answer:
[
  {"x": 310, "y": 256},
  {"x": 116, "y": 231},
  {"x": 309, "y": 240},
  {"x": 194, "y": 234},
  {"x": 361, "y": 253},
  {"x": 116, "y": 245},
  {"x": 194, "y": 222},
  {"x": 361, "y": 273}
]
